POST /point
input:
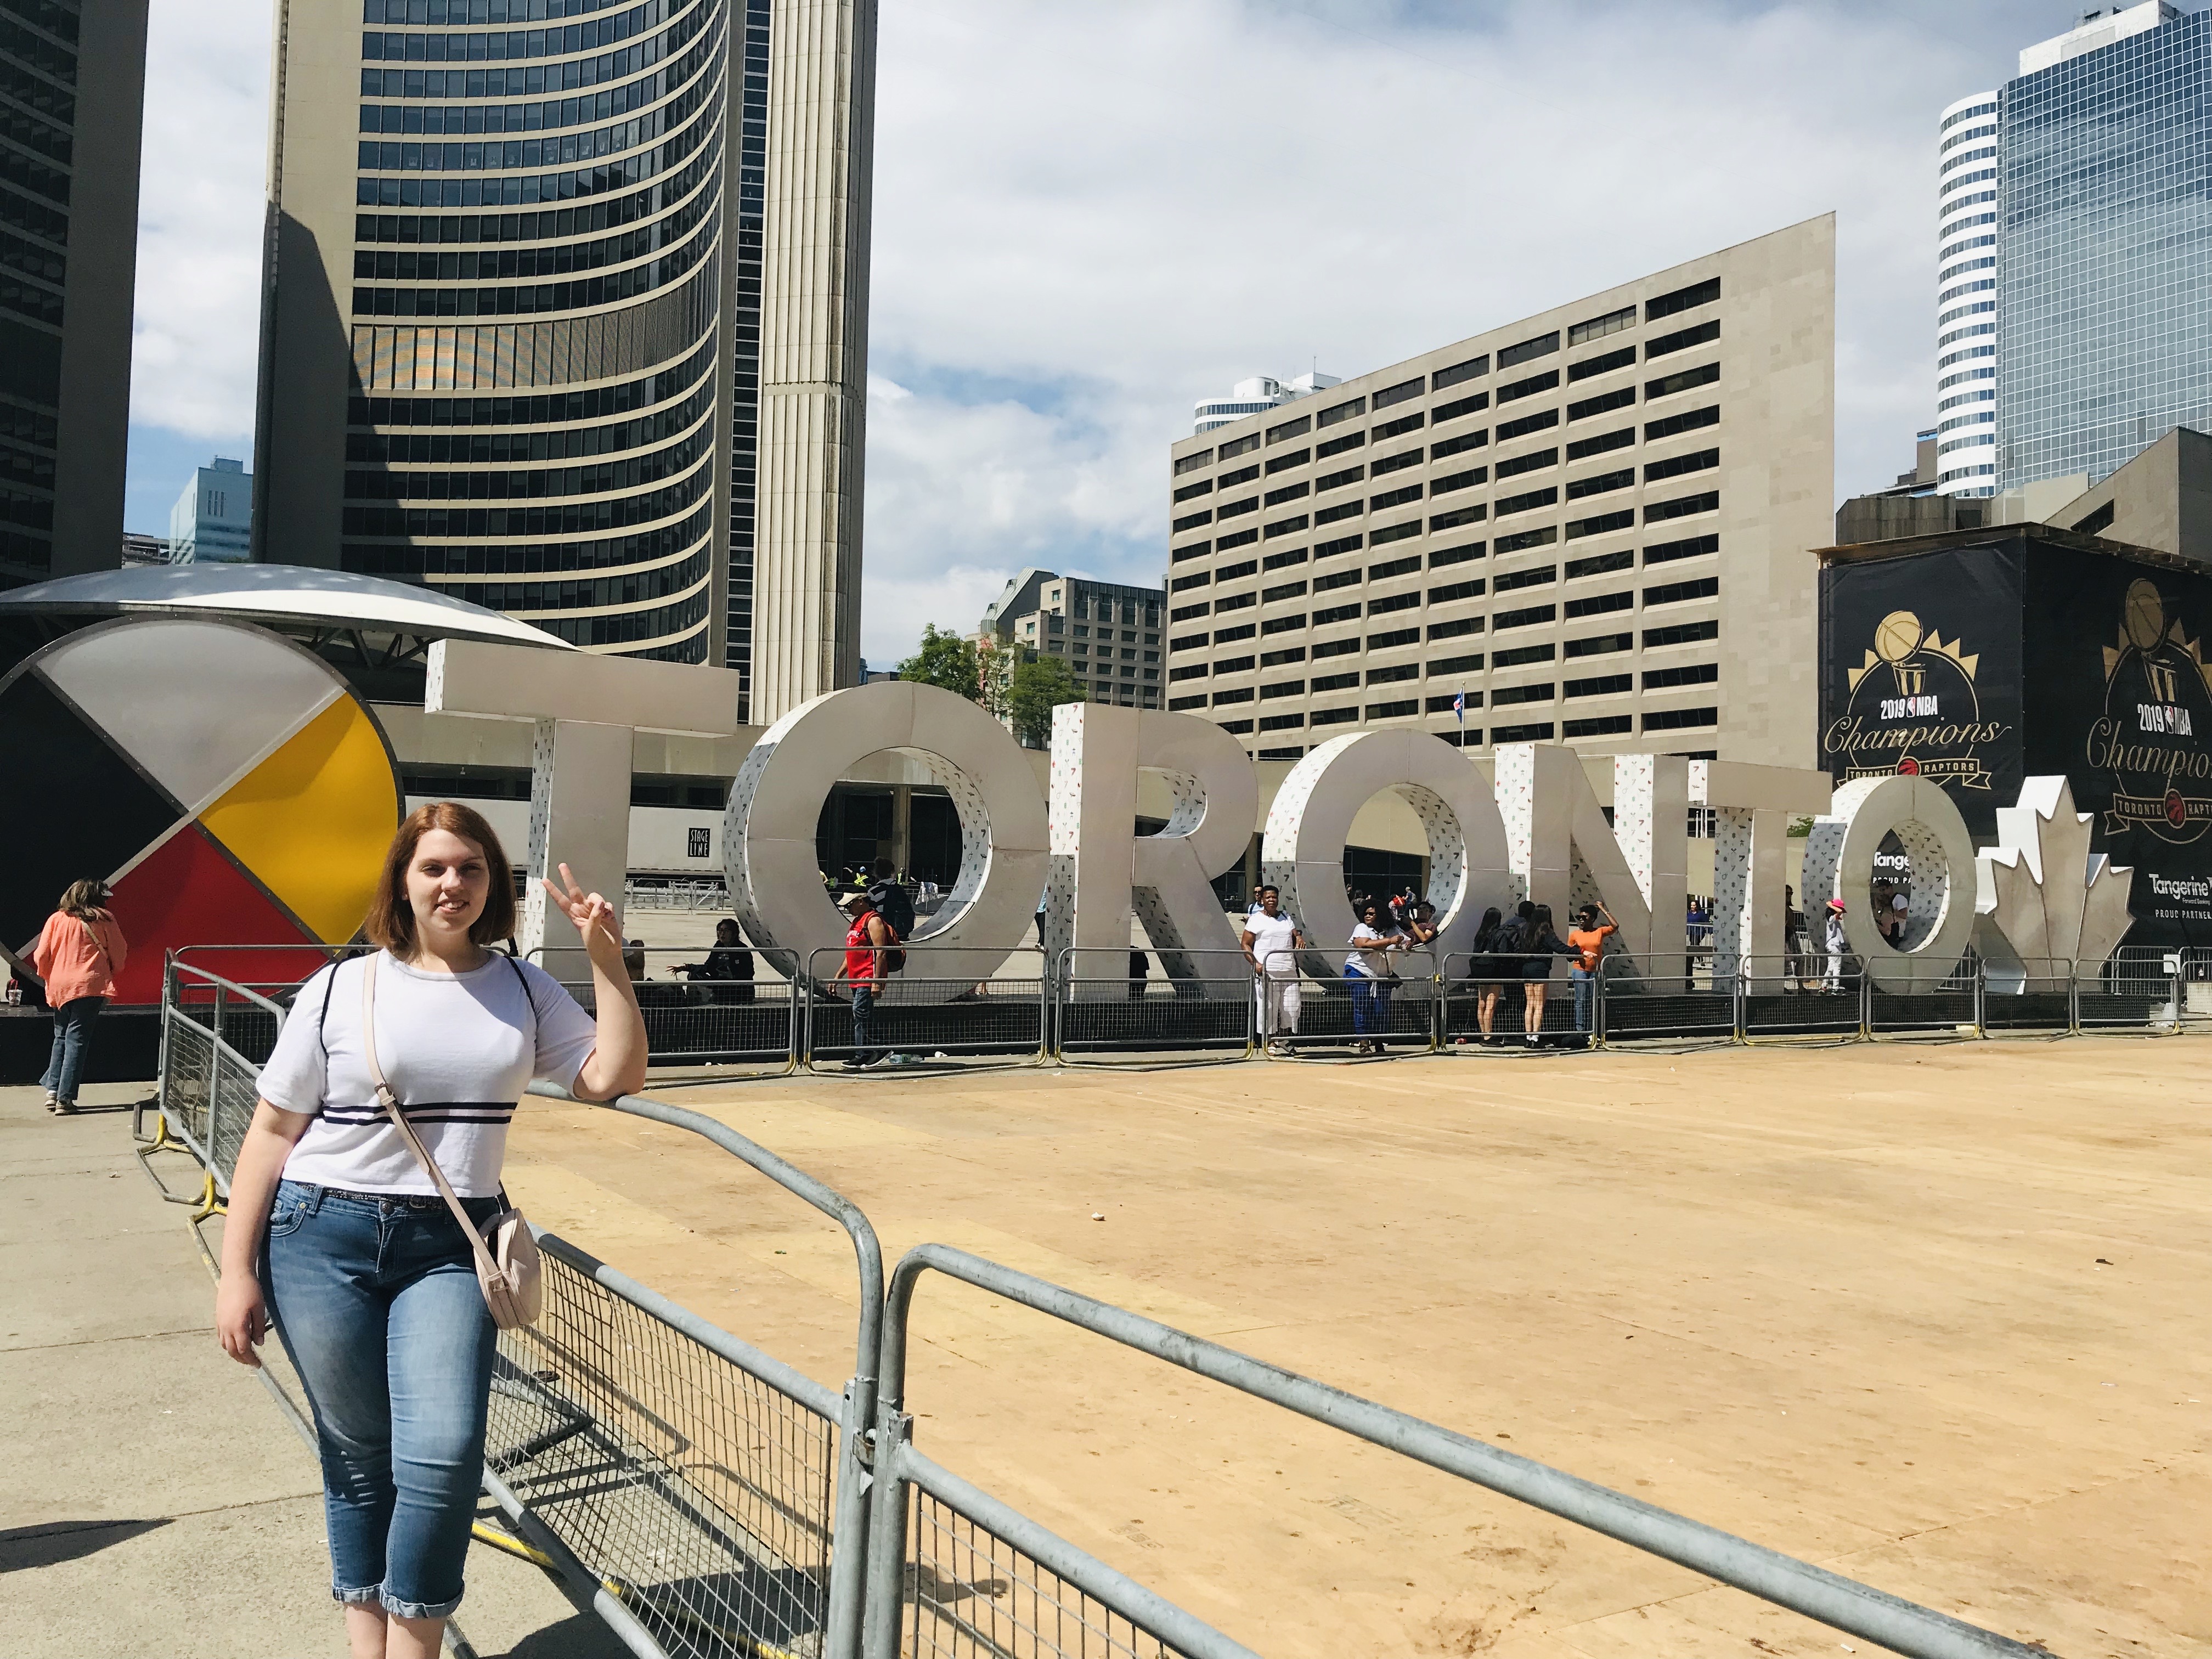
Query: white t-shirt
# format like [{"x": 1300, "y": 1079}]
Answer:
[
  {"x": 1270, "y": 941},
  {"x": 457, "y": 1049},
  {"x": 1371, "y": 952}
]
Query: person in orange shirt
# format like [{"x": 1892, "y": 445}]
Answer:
[
  {"x": 1588, "y": 942},
  {"x": 79, "y": 953}
]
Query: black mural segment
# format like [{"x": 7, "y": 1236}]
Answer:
[
  {"x": 1921, "y": 673},
  {"x": 86, "y": 811},
  {"x": 2019, "y": 655}
]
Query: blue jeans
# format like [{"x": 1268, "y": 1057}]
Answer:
[
  {"x": 72, "y": 1029},
  {"x": 864, "y": 1007},
  {"x": 378, "y": 1304},
  {"x": 1371, "y": 1003},
  {"x": 1585, "y": 984}
]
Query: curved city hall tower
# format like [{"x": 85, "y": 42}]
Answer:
[{"x": 526, "y": 260}]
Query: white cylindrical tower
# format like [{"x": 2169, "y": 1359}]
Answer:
[{"x": 1966, "y": 221}]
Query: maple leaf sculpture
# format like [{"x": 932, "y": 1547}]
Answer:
[{"x": 2042, "y": 897}]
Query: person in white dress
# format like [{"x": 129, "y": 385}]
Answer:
[{"x": 1272, "y": 941}]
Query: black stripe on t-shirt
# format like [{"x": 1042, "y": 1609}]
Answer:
[{"x": 428, "y": 1111}]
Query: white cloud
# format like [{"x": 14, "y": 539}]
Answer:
[
  {"x": 200, "y": 199},
  {"x": 1118, "y": 209}
]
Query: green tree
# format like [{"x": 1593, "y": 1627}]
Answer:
[
  {"x": 945, "y": 660},
  {"x": 1039, "y": 686}
]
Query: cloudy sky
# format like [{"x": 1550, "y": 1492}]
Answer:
[{"x": 1087, "y": 217}]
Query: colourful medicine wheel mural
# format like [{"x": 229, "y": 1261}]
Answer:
[{"x": 226, "y": 783}]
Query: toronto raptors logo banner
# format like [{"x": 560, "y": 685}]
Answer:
[{"x": 1921, "y": 674}]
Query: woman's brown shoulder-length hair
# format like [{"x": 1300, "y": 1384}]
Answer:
[{"x": 391, "y": 920}]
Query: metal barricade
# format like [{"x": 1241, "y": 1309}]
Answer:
[
  {"x": 757, "y": 1023},
  {"x": 215, "y": 1035},
  {"x": 2028, "y": 997},
  {"x": 1504, "y": 985},
  {"x": 1107, "y": 1002},
  {"x": 1951, "y": 1009},
  {"x": 1299, "y": 1010},
  {"x": 2138, "y": 987},
  {"x": 914, "y": 1015},
  {"x": 1664, "y": 995},
  {"x": 707, "y": 1499},
  {"x": 1796, "y": 996},
  {"x": 1072, "y": 1604}
]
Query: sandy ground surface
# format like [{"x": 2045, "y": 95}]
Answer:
[{"x": 1933, "y": 1316}]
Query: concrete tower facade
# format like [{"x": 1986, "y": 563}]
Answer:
[
  {"x": 512, "y": 329},
  {"x": 814, "y": 352}
]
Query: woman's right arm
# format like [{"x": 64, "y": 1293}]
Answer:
[{"x": 241, "y": 1319}]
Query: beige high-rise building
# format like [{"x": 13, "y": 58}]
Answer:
[
  {"x": 542, "y": 276},
  {"x": 1591, "y": 524}
]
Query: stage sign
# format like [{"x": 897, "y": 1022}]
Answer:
[{"x": 1921, "y": 673}]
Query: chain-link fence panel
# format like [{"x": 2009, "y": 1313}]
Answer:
[
  {"x": 2026, "y": 997},
  {"x": 1496, "y": 999},
  {"x": 910, "y": 1015},
  {"x": 2138, "y": 987},
  {"x": 699, "y": 1493},
  {"x": 1664, "y": 994},
  {"x": 1798, "y": 996},
  {"x": 187, "y": 1079},
  {"x": 975, "y": 1595},
  {"x": 1108, "y": 1001},
  {"x": 1382, "y": 1005}
]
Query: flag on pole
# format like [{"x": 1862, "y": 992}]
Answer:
[{"x": 1459, "y": 707}]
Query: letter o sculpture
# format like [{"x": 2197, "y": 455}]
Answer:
[
  {"x": 1840, "y": 856},
  {"x": 1311, "y": 819},
  {"x": 776, "y": 803}
]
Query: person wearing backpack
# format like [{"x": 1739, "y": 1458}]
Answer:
[
  {"x": 895, "y": 908},
  {"x": 79, "y": 953}
]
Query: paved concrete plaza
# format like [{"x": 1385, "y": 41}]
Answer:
[{"x": 1930, "y": 1314}]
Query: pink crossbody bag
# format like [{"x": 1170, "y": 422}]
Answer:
[{"x": 507, "y": 1265}]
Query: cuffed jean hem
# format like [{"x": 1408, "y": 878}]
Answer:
[
  {"x": 357, "y": 1598},
  {"x": 399, "y": 1609}
]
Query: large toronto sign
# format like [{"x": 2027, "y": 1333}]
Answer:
[{"x": 1071, "y": 854}]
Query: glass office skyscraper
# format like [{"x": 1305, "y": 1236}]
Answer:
[{"x": 2103, "y": 258}]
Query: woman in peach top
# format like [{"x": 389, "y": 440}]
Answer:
[{"x": 78, "y": 955}]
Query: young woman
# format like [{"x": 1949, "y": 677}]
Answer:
[
  {"x": 1588, "y": 938},
  {"x": 1367, "y": 973},
  {"x": 1485, "y": 970},
  {"x": 338, "y": 1236},
  {"x": 1538, "y": 945},
  {"x": 78, "y": 954}
]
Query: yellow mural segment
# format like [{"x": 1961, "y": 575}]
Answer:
[{"x": 313, "y": 820}]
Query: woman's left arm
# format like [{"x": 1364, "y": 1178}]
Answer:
[{"x": 616, "y": 1064}]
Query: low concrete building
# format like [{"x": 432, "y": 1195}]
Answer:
[{"x": 1591, "y": 523}]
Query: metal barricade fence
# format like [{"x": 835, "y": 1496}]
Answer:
[
  {"x": 2026, "y": 997},
  {"x": 1951, "y": 1009},
  {"x": 1506, "y": 985},
  {"x": 913, "y": 1015},
  {"x": 1300, "y": 1008},
  {"x": 1108, "y": 1001},
  {"x": 1661, "y": 995},
  {"x": 2137, "y": 986},
  {"x": 1793, "y": 995},
  {"x": 758, "y": 1022},
  {"x": 1066, "y": 1603}
]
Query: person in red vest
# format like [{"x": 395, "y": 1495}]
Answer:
[
  {"x": 78, "y": 954},
  {"x": 865, "y": 942}
]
